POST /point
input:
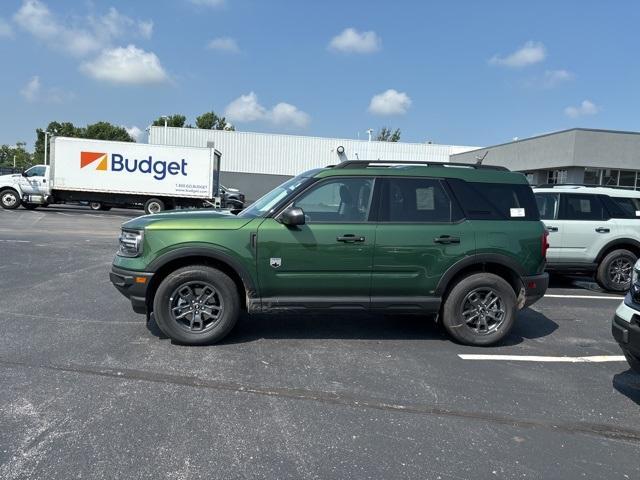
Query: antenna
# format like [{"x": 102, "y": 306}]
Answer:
[{"x": 479, "y": 158}]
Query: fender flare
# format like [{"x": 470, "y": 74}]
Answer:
[
  {"x": 613, "y": 243},
  {"x": 477, "y": 259},
  {"x": 206, "y": 252}
]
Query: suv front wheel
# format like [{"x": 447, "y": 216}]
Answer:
[
  {"x": 196, "y": 305},
  {"x": 480, "y": 310},
  {"x": 614, "y": 271}
]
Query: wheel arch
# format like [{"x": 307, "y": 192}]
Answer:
[
  {"x": 626, "y": 243},
  {"x": 182, "y": 257}
]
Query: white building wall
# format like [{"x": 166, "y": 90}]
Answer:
[{"x": 262, "y": 153}]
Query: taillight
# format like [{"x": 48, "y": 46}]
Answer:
[{"x": 545, "y": 244}]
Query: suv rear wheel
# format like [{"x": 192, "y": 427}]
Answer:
[
  {"x": 480, "y": 310},
  {"x": 196, "y": 305},
  {"x": 614, "y": 271}
]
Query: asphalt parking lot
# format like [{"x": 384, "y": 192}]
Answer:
[{"x": 90, "y": 391}]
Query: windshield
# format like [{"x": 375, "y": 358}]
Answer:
[{"x": 266, "y": 203}]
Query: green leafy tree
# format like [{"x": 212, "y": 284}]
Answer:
[
  {"x": 175, "y": 120},
  {"x": 211, "y": 121},
  {"x": 386, "y": 135},
  {"x": 15, "y": 155},
  {"x": 107, "y": 131}
]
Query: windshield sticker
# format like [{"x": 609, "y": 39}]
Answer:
[{"x": 517, "y": 212}]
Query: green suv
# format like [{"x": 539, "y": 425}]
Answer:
[{"x": 462, "y": 243}]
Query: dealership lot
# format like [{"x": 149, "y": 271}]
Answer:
[{"x": 91, "y": 391}]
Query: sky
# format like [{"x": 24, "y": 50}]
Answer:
[{"x": 455, "y": 72}]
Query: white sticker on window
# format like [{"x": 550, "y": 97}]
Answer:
[
  {"x": 637, "y": 213},
  {"x": 516, "y": 212}
]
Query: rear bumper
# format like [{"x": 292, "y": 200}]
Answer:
[
  {"x": 132, "y": 285},
  {"x": 626, "y": 329},
  {"x": 535, "y": 287}
]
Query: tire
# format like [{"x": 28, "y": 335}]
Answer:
[
  {"x": 95, "y": 206},
  {"x": 173, "y": 294},
  {"x": 9, "y": 199},
  {"x": 477, "y": 289},
  {"x": 30, "y": 206},
  {"x": 153, "y": 205},
  {"x": 634, "y": 362},
  {"x": 614, "y": 271}
]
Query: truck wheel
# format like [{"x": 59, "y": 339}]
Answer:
[
  {"x": 480, "y": 310},
  {"x": 196, "y": 305},
  {"x": 95, "y": 206},
  {"x": 614, "y": 271},
  {"x": 30, "y": 206},
  {"x": 153, "y": 205},
  {"x": 9, "y": 199}
]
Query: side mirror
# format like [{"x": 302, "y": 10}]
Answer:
[
  {"x": 24, "y": 173},
  {"x": 293, "y": 216}
]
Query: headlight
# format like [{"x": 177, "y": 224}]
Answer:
[
  {"x": 636, "y": 273},
  {"x": 130, "y": 243}
]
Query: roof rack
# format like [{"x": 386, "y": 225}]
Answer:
[
  {"x": 560, "y": 185},
  {"x": 383, "y": 163}
]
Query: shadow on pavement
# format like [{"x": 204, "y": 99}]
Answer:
[
  {"x": 628, "y": 384},
  {"x": 529, "y": 325}
]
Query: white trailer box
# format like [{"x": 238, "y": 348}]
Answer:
[{"x": 81, "y": 165}]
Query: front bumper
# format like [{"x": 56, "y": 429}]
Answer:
[
  {"x": 535, "y": 286},
  {"x": 626, "y": 329},
  {"x": 133, "y": 285}
]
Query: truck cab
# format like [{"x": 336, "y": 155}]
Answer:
[{"x": 29, "y": 188}]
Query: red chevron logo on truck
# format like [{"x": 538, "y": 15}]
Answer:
[{"x": 87, "y": 158}]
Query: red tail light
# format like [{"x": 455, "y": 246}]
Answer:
[{"x": 545, "y": 243}]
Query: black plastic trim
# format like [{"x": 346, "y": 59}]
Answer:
[
  {"x": 613, "y": 243},
  {"x": 533, "y": 294},
  {"x": 627, "y": 334},
  {"x": 571, "y": 267},
  {"x": 124, "y": 282}
]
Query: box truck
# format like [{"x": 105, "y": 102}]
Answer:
[{"x": 107, "y": 174}]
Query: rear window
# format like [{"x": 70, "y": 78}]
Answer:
[
  {"x": 629, "y": 207},
  {"x": 495, "y": 201}
]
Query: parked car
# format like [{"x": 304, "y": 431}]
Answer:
[
  {"x": 592, "y": 230},
  {"x": 626, "y": 322},
  {"x": 461, "y": 242},
  {"x": 232, "y": 198}
]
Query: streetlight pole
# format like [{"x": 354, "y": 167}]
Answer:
[
  {"x": 165, "y": 117},
  {"x": 46, "y": 146}
]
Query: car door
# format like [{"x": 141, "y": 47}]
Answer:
[
  {"x": 549, "y": 208},
  {"x": 420, "y": 234},
  {"x": 586, "y": 226},
  {"x": 327, "y": 261},
  {"x": 34, "y": 180}
]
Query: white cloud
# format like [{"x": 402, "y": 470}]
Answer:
[
  {"x": 31, "y": 91},
  {"x": 134, "y": 132},
  {"x": 208, "y": 3},
  {"x": 352, "y": 41},
  {"x": 5, "y": 29},
  {"x": 246, "y": 108},
  {"x": 390, "y": 102},
  {"x": 587, "y": 107},
  {"x": 81, "y": 36},
  {"x": 529, "y": 54},
  {"x": 130, "y": 65},
  {"x": 224, "y": 44},
  {"x": 553, "y": 78},
  {"x": 285, "y": 114}
]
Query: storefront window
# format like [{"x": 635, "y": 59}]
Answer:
[
  {"x": 627, "y": 178},
  {"x": 610, "y": 177},
  {"x": 592, "y": 176}
]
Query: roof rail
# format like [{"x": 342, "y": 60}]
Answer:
[
  {"x": 557, "y": 185},
  {"x": 384, "y": 163}
]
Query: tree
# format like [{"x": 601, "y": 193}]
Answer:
[
  {"x": 107, "y": 131},
  {"x": 8, "y": 154},
  {"x": 386, "y": 135},
  {"x": 211, "y": 121},
  {"x": 175, "y": 120}
]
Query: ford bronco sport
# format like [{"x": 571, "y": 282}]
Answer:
[{"x": 463, "y": 243}]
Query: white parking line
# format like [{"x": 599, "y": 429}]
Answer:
[
  {"x": 540, "y": 358},
  {"x": 15, "y": 241},
  {"x": 591, "y": 297}
]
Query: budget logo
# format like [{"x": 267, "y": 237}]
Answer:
[{"x": 87, "y": 158}]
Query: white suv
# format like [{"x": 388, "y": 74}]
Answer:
[{"x": 592, "y": 229}]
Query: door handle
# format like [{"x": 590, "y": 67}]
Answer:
[
  {"x": 603, "y": 230},
  {"x": 446, "y": 239},
  {"x": 350, "y": 238},
  {"x": 552, "y": 229}
]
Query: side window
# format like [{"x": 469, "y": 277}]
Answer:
[
  {"x": 547, "y": 205},
  {"x": 582, "y": 207},
  {"x": 337, "y": 200},
  {"x": 630, "y": 206},
  {"x": 419, "y": 200},
  {"x": 35, "y": 172}
]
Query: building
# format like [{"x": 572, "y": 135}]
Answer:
[
  {"x": 579, "y": 155},
  {"x": 257, "y": 162}
]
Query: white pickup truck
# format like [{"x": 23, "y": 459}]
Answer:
[{"x": 107, "y": 174}]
